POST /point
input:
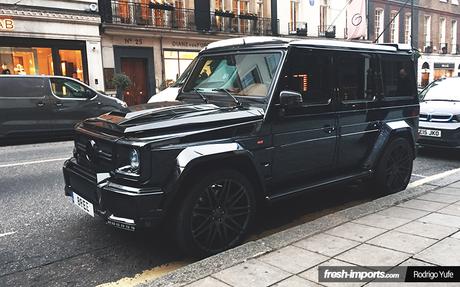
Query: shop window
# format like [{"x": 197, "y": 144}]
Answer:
[
  {"x": 27, "y": 61},
  {"x": 175, "y": 64},
  {"x": 72, "y": 64}
]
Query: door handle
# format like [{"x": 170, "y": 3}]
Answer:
[
  {"x": 40, "y": 104},
  {"x": 58, "y": 104},
  {"x": 328, "y": 129}
]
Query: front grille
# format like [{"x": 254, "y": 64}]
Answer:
[
  {"x": 423, "y": 117},
  {"x": 436, "y": 117},
  {"x": 93, "y": 153}
]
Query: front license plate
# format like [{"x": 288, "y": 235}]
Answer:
[
  {"x": 83, "y": 204},
  {"x": 429, "y": 133}
]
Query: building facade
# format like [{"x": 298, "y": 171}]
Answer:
[
  {"x": 320, "y": 18},
  {"x": 51, "y": 37},
  {"x": 154, "y": 42}
]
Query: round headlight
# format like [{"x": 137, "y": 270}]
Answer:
[{"x": 134, "y": 161}]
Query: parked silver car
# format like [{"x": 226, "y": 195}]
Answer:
[{"x": 440, "y": 114}]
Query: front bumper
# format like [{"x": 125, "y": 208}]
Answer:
[
  {"x": 122, "y": 206},
  {"x": 450, "y": 135}
]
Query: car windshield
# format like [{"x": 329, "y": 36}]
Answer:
[
  {"x": 443, "y": 90},
  {"x": 181, "y": 80},
  {"x": 242, "y": 75}
]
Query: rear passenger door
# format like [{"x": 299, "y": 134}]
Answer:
[
  {"x": 356, "y": 85},
  {"x": 72, "y": 102},
  {"x": 305, "y": 137},
  {"x": 24, "y": 107}
]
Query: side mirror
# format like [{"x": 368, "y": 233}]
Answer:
[{"x": 290, "y": 99}]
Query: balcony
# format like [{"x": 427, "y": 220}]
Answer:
[
  {"x": 428, "y": 47},
  {"x": 163, "y": 16},
  {"x": 327, "y": 31},
  {"x": 298, "y": 28},
  {"x": 443, "y": 48}
]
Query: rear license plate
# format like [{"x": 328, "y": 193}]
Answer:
[
  {"x": 83, "y": 204},
  {"x": 429, "y": 133}
]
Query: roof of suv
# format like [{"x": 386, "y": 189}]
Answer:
[{"x": 254, "y": 40}]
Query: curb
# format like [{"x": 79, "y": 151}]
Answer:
[{"x": 203, "y": 268}]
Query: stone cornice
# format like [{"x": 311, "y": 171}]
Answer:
[{"x": 50, "y": 15}]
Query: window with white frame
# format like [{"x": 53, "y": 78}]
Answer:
[
  {"x": 427, "y": 30},
  {"x": 442, "y": 31},
  {"x": 378, "y": 24},
  {"x": 394, "y": 27},
  {"x": 407, "y": 28},
  {"x": 454, "y": 37},
  {"x": 294, "y": 12}
]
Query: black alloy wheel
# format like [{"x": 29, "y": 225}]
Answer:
[
  {"x": 395, "y": 167},
  {"x": 217, "y": 213}
]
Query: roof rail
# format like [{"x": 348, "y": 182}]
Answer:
[{"x": 399, "y": 46}]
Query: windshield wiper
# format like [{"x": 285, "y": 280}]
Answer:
[
  {"x": 238, "y": 103},
  {"x": 197, "y": 91}
]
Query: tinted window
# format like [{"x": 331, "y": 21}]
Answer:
[
  {"x": 19, "y": 87},
  {"x": 356, "y": 76},
  {"x": 308, "y": 73},
  {"x": 65, "y": 88},
  {"x": 398, "y": 77}
]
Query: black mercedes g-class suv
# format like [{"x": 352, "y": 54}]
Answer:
[{"x": 258, "y": 120}]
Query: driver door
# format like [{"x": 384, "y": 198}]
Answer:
[{"x": 71, "y": 102}]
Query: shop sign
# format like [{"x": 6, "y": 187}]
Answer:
[
  {"x": 444, "y": 65},
  {"x": 6, "y": 24},
  {"x": 185, "y": 44}
]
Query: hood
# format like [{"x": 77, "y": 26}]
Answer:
[
  {"x": 168, "y": 94},
  {"x": 171, "y": 118},
  {"x": 440, "y": 107}
]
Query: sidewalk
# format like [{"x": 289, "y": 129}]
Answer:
[{"x": 417, "y": 227}]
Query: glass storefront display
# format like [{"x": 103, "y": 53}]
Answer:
[
  {"x": 26, "y": 61},
  {"x": 71, "y": 64},
  {"x": 175, "y": 64}
]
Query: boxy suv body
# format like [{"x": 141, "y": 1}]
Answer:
[
  {"x": 47, "y": 105},
  {"x": 257, "y": 120}
]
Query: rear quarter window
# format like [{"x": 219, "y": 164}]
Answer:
[
  {"x": 398, "y": 77},
  {"x": 17, "y": 87}
]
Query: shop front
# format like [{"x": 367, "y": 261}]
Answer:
[
  {"x": 20, "y": 56},
  {"x": 443, "y": 70}
]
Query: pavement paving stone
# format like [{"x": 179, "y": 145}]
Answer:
[
  {"x": 442, "y": 219},
  {"x": 427, "y": 229},
  {"x": 326, "y": 244},
  {"x": 423, "y": 205},
  {"x": 293, "y": 259},
  {"x": 402, "y": 212},
  {"x": 444, "y": 253},
  {"x": 415, "y": 262},
  {"x": 312, "y": 274},
  {"x": 437, "y": 197},
  {"x": 448, "y": 190},
  {"x": 208, "y": 282},
  {"x": 354, "y": 231},
  {"x": 296, "y": 281},
  {"x": 455, "y": 185},
  {"x": 252, "y": 273},
  {"x": 416, "y": 284},
  {"x": 403, "y": 242},
  {"x": 453, "y": 209},
  {"x": 456, "y": 235},
  {"x": 369, "y": 255},
  {"x": 381, "y": 221}
]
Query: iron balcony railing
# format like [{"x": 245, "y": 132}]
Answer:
[
  {"x": 298, "y": 28},
  {"x": 443, "y": 48},
  {"x": 327, "y": 31},
  {"x": 169, "y": 17},
  {"x": 428, "y": 47}
]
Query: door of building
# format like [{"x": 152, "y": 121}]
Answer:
[{"x": 136, "y": 70}]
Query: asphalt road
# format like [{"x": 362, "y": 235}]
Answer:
[{"x": 46, "y": 241}]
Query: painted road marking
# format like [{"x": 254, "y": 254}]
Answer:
[
  {"x": 33, "y": 162},
  {"x": 146, "y": 275},
  {"x": 432, "y": 178},
  {"x": 8, "y": 233}
]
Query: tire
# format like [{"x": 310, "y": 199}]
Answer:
[
  {"x": 394, "y": 169},
  {"x": 216, "y": 214}
]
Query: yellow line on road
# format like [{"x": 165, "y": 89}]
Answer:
[{"x": 147, "y": 275}]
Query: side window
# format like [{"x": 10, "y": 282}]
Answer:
[
  {"x": 308, "y": 73},
  {"x": 69, "y": 89},
  {"x": 356, "y": 76},
  {"x": 21, "y": 87},
  {"x": 398, "y": 77}
]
